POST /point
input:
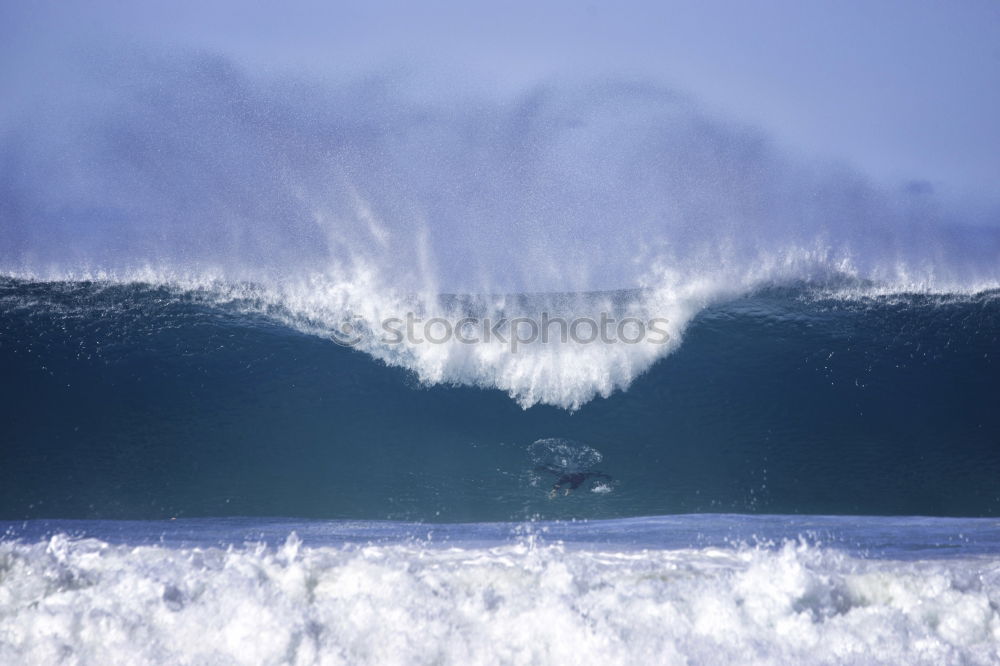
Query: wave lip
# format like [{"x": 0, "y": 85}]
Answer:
[{"x": 579, "y": 346}]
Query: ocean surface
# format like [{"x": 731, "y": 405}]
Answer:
[
  {"x": 125, "y": 401},
  {"x": 205, "y": 476}
]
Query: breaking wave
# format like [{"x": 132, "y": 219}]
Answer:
[{"x": 364, "y": 198}]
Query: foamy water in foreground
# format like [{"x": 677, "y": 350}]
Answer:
[{"x": 477, "y": 599}]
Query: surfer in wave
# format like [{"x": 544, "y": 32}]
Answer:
[{"x": 567, "y": 480}]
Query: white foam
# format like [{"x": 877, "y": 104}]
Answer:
[{"x": 88, "y": 602}]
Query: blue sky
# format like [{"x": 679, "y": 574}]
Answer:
[{"x": 899, "y": 89}]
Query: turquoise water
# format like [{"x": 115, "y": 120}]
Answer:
[{"x": 133, "y": 401}]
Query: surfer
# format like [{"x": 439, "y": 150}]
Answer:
[{"x": 569, "y": 480}]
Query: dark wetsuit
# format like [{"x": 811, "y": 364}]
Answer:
[{"x": 567, "y": 480}]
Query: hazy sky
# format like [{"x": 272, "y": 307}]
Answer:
[{"x": 901, "y": 89}]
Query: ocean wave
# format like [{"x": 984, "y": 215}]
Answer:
[
  {"x": 167, "y": 389},
  {"x": 562, "y": 371},
  {"x": 319, "y": 203}
]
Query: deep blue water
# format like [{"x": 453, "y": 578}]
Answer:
[{"x": 140, "y": 402}]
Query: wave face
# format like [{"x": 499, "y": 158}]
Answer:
[
  {"x": 383, "y": 597},
  {"x": 138, "y": 401}
]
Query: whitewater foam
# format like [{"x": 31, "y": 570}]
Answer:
[{"x": 64, "y": 600}]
